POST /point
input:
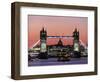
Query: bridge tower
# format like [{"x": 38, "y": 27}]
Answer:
[
  {"x": 76, "y": 45},
  {"x": 43, "y": 46}
]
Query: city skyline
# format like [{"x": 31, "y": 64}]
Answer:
[{"x": 56, "y": 26}]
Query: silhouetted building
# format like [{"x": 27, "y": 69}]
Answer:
[
  {"x": 54, "y": 50},
  {"x": 60, "y": 43}
]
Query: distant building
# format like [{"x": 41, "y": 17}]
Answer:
[{"x": 53, "y": 50}]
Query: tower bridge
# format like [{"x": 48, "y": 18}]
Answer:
[{"x": 43, "y": 42}]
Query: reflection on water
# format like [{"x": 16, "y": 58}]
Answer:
[{"x": 53, "y": 61}]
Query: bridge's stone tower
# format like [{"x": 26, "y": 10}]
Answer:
[
  {"x": 43, "y": 46},
  {"x": 76, "y": 46}
]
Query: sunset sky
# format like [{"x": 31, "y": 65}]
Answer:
[{"x": 56, "y": 25}]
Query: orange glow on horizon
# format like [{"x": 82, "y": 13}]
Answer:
[{"x": 56, "y": 25}]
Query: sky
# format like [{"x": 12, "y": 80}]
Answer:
[{"x": 56, "y": 25}]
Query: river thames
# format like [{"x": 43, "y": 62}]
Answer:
[{"x": 53, "y": 61}]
